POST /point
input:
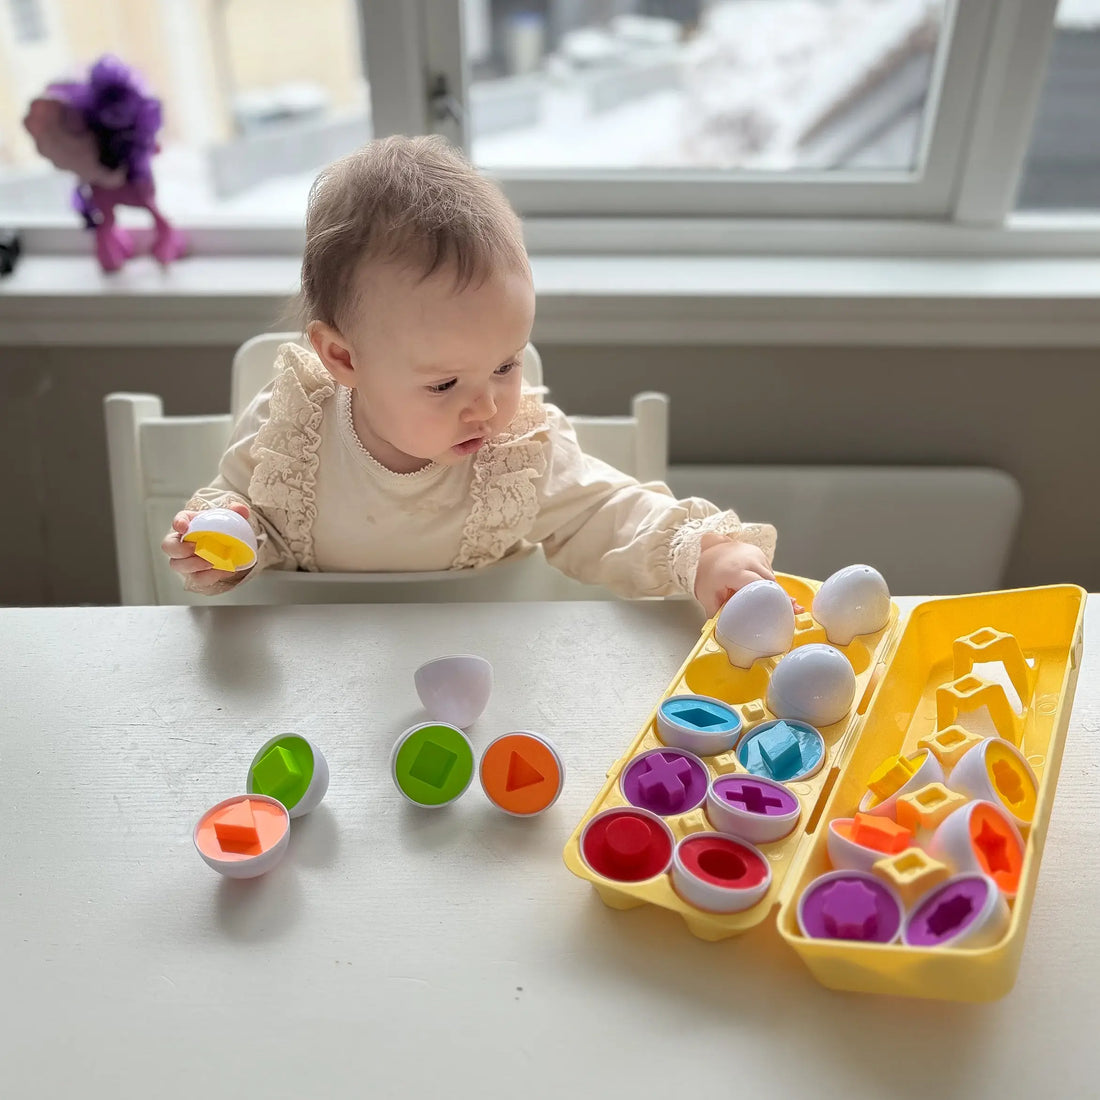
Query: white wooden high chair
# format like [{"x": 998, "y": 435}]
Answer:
[{"x": 157, "y": 461}]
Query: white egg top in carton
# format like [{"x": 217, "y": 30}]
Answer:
[
  {"x": 854, "y": 600},
  {"x": 757, "y": 621}
]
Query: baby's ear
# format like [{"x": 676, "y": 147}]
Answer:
[{"x": 333, "y": 350}]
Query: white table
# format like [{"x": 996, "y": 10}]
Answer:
[{"x": 398, "y": 953}]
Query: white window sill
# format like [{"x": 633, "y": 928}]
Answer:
[{"x": 592, "y": 299}]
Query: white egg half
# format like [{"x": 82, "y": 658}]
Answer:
[
  {"x": 757, "y": 621},
  {"x": 854, "y": 600},
  {"x": 455, "y": 689},
  {"x": 814, "y": 683},
  {"x": 224, "y": 521}
]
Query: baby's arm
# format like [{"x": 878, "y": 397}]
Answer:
[
  {"x": 229, "y": 490},
  {"x": 601, "y": 526}
]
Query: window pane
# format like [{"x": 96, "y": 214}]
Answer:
[
  {"x": 1062, "y": 170},
  {"x": 762, "y": 85},
  {"x": 257, "y": 97}
]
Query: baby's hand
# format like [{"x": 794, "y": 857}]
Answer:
[
  {"x": 200, "y": 574},
  {"x": 725, "y": 567}
]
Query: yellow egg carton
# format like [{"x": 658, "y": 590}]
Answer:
[{"x": 936, "y": 688}]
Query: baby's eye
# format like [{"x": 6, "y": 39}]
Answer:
[
  {"x": 507, "y": 368},
  {"x": 443, "y": 387}
]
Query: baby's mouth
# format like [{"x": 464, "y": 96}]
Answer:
[{"x": 468, "y": 446}]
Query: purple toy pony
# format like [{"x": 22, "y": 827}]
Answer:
[{"x": 104, "y": 130}]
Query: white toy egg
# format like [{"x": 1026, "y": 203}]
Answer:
[
  {"x": 757, "y": 621},
  {"x": 853, "y": 601},
  {"x": 814, "y": 683},
  {"x": 224, "y": 538},
  {"x": 291, "y": 769},
  {"x": 455, "y": 689},
  {"x": 243, "y": 836}
]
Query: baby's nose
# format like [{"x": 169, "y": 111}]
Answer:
[{"x": 482, "y": 408}]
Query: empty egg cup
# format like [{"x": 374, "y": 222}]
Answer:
[
  {"x": 752, "y": 808},
  {"x": 243, "y": 836},
  {"x": 719, "y": 873},
  {"x": 291, "y": 769},
  {"x": 783, "y": 750},
  {"x": 699, "y": 724},
  {"x": 966, "y": 911},
  {"x": 666, "y": 782},
  {"x": 850, "y": 905}
]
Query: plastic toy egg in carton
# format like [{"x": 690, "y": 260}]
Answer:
[{"x": 705, "y": 812}]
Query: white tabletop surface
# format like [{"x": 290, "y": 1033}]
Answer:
[{"x": 405, "y": 953}]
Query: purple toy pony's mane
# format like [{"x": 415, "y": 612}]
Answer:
[{"x": 121, "y": 116}]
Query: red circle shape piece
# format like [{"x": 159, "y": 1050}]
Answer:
[{"x": 723, "y": 862}]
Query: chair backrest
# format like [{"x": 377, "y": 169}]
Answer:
[
  {"x": 636, "y": 444},
  {"x": 254, "y": 363},
  {"x": 156, "y": 462}
]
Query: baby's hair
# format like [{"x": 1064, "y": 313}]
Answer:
[{"x": 414, "y": 200}]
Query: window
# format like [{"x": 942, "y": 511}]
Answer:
[
  {"x": 697, "y": 107},
  {"x": 906, "y": 112},
  {"x": 257, "y": 97},
  {"x": 1062, "y": 171},
  {"x": 27, "y": 19},
  {"x": 772, "y": 86}
]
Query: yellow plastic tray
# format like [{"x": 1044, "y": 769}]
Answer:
[{"x": 898, "y": 675}]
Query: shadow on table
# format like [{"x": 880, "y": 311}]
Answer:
[
  {"x": 235, "y": 653},
  {"x": 755, "y": 984},
  {"x": 314, "y": 839},
  {"x": 260, "y": 909}
]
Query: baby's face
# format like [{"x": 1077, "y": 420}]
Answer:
[{"x": 437, "y": 371}]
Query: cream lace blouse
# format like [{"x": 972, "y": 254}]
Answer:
[{"x": 320, "y": 502}]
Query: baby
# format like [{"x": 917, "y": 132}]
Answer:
[{"x": 406, "y": 439}]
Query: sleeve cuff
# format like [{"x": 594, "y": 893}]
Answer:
[{"x": 686, "y": 543}]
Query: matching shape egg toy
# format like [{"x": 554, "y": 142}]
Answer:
[
  {"x": 247, "y": 835},
  {"x": 814, "y": 683},
  {"x": 224, "y": 538},
  {"x": 756, "y": 621},
  {"x": 433, "y": 762},
  {"x": 853, "y": 601},
  {"x": 455, "y": 689}
]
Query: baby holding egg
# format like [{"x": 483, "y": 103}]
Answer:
[{"x": 405, "y": 440}]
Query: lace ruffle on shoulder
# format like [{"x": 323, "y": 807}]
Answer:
[
  {"x": 284, "y": 480},
  {"x": 503, "y": 490}
]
